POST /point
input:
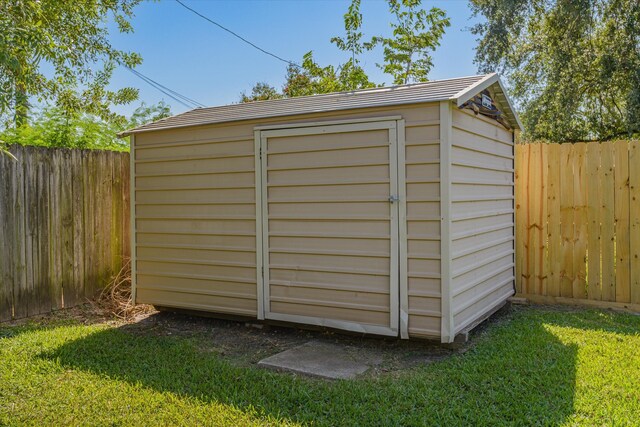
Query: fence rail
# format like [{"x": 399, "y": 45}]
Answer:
[
  {"x": 64, "y": 226},
  {"x": 578, "y": 223}
]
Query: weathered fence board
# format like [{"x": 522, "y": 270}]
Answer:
[
  {"x": 6, "y": 232},
  {"x": 578, "y": 223},
  {"x": 634, "y": 210},
  {"x": 62, "y": 219}
]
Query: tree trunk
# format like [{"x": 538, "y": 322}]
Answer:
[{"x": 406, "y": 71}]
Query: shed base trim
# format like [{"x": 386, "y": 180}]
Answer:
[{"x": 335, "y": 324}]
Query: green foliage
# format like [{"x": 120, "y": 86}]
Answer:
[
  {"x": 53, "y": 127},
  {"x": 146, "y": 114},
  {"x": 313, "y": 79},
  {"x": 260, "y": 92},
  {"x": 416, "y": 33},
  {"x": 71, "y": 38},
  {"x": 574, "y": 66},
  {"x": 406, "y": 54},
  {"x": 352, "y": 42}
]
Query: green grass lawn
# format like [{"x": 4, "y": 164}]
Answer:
[{"x": 535, "y": 366}]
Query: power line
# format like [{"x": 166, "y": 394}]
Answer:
[
  {"x": 149, "y": 79},
  {"x": 286, "y": 61},
  {"x": 149, "y": 82},
  {"x": 189, "y": 100},
  {"x": 184, "y": 100}
]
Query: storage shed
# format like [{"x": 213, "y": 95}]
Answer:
[{"x": 387, "y": 211}]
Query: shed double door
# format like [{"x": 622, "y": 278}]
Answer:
[{"x": 329, "y": 225}]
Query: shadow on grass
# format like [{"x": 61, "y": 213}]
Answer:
[{"x": 518, "y": 372}]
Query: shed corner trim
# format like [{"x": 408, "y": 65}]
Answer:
[
  {"x": 446, "y": 130},
  {"x": 132, "y": 212}
]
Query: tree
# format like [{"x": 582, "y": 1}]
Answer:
[
  {"x": 313, "y": 79},
  {"x": 352, "y": 41},
  {"x": 146, "y": 114},
  {"x": 260, "y": 92},
  {"x": 53, "y": 127},
  {"x": 573, "y": 66},
  {"x": 407, "y": 54},
  {"x": 71, "y": 39},
  {"x": 416, "y": 33}
]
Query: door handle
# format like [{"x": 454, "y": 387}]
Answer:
[{"x": 393, "y": 199}]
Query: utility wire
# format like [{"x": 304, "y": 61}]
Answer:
[
  {"x": 286, "y": 61},
  {"x": 189, "y": 100},
  {"x": 171, "y": 93},
  {"x": 161, "y": 90},
  {"x": 149, "y": 82},
  {"x": 186, "y": 101}
]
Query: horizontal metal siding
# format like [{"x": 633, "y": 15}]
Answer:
[
  {"x": 482, "y": 213},
  {"x": 182, "y": 195},
  {"x": 195, "y": 220},
  {"x": 422, "y": 155}
]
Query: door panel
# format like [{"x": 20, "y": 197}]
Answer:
[{"x": 330, "y": 226}]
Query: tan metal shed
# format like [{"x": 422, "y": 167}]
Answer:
[{"x": 387, "y": 211}]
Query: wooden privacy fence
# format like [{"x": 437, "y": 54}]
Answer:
[
  {"x": 64, "y": 226},
  {"x": 578, "y": 223}
]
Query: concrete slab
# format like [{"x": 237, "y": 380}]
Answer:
[{"x": 323, "y": 360}]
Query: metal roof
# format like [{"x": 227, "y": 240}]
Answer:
[{"x": 458, "y": 89}]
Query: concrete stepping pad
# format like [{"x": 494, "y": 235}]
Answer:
[{"x": 324, "y": 360}]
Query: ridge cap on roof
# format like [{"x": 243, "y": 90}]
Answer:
[{"x": 354, "y": 91}]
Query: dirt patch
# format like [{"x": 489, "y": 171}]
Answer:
[{"x": 246, "y": 343}]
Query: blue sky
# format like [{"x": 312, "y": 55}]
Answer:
[{"x": 193, "y": 57}]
